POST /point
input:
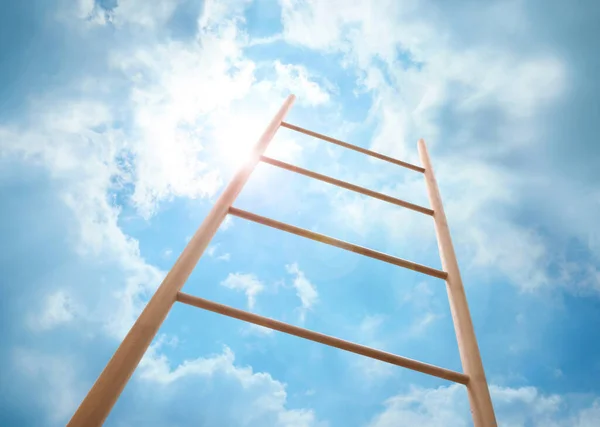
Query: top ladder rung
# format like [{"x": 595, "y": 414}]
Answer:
[{"x": 353, "y": 147}]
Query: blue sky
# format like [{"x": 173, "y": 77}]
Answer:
[{"x": 122, "y": 120}]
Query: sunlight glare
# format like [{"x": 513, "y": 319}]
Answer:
[{"x": 236, "y": 143}]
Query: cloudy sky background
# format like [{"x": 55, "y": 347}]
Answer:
[{"x": 121, "y": 121}]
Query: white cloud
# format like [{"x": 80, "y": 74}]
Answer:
[
  {"x": 297, "y": 80},
  {"x": 444, "y": 406},
  {"x": 366, "y": 215},
  {"x": 143, "y": 13},
  {"x": 423, "y": 310},
  {"x": 168, "y": 153},
  {"x": 215, "y": 12},
  {"x": 224, "y": 257},
  {"x": 227, "y": 223},
  {"x": 56, "y": 375},
  {"x": 85, "y": 8},
  {"x": 127, "y": 12},
  {"x": 74, "y": 142},
  {"x": 176, "y": 88},
  {"x": 515, "y": 407},
  {"x": 155, "y": 366},
  {"x": 212, "y": 251},
  {"x": 285, "y": 148},
  {"x": 416, "y": 71},
  {"x": 177, "y": 95},
  {"x": 185, "y": 97},
  {"x": 369, "y": 334},
  {"x": 306, "y": 291},
  {"x": 161, "y": 159},
  {"x": 420, "y": 307},
  {"x": 247, "y": 283},
  {"x": 258, "y": 330},
  {"x": 180, "y": 100},
  {"x": 421, "y": 324},
  {"x": 316, "y": 24},
  {"x": 239, "y": 395},
  {"x": 57, "y": 309}
]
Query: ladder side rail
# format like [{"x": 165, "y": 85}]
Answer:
[
  {"x": 482, "y": 409},
  {"x": 99, "y": 401}
]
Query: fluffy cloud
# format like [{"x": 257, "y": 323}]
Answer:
[
  {"x": 56, "y": 375},
  {"x": 424, "y": 79},
  {"x": 170, "y": 104},
  {"x": 215, "y": 389},
  {"x": 225, "y": 393},
  {"x": 74, "y": 142},
  {"x": 247, "y": 283},
  {"x": 306, "y": 291},
  {"x": 515, "y": 407},
  {"x": 369, "y": 333},
  {"x": 126, "y": 12},
  {"x": 297, "y": 80},
  {"x": 57, "y": 309},
  {"x": 197, "y": 103},
  {"x": 177, "y": 97},
  {"x": 213, "y": 252}
]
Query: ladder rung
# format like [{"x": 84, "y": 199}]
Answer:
[
  {"x": 405, "y": 362},
  {"x": 338, "y": 243},
  {"x": 353, "y": 147},
  {"x": 346, "y": 185}
]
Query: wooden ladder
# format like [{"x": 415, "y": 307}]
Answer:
[{"x": 99, "y": 401}]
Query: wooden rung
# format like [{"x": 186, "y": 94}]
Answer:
[
  {"x": 346, "y": 185},
  {"x": 405, "y": 362},
  {"x": 353, "y": 147},
  {"x": 338, "y": 243}
]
